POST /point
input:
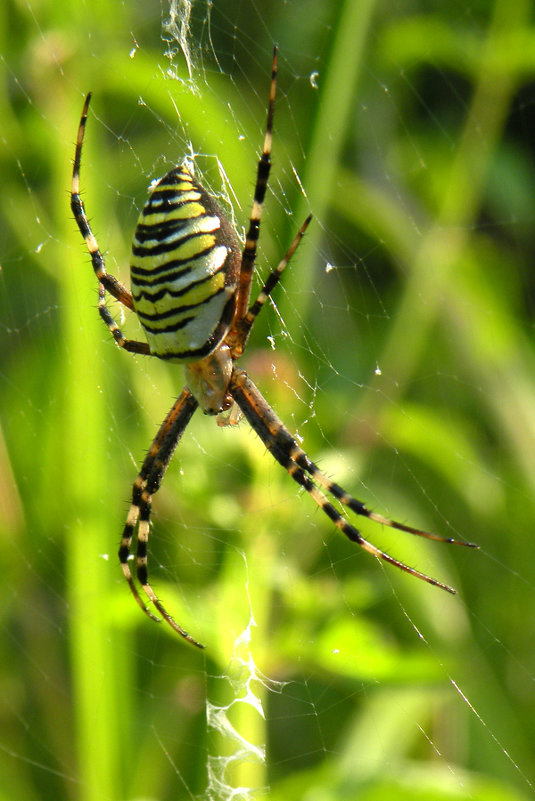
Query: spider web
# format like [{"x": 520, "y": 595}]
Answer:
[{"x": 399, "y": 349}]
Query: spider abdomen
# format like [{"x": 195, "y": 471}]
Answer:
[{"x": 184, "y": 268}]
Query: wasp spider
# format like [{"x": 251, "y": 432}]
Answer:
[{"x": 191, "y": 284}]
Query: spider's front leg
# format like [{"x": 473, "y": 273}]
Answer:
[
  {"x": 106, "y": 282},
  {"x": 146, "y": 484}
]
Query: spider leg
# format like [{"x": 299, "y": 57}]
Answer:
[
  {"x": 139, "y": 487},
  {"x": 287, "y": 452},
  {"x": 300, "y": 457},
  {"x": 111, "y": 284},
  {"x": 244, "y": 326},
  {"x": 146, "y": 484},
  {"x": 131, "y": 345},
  {"x": 287, "y": 444},
  {"x": 107, "y": 282},
  {"x": 264, "y": 166}
]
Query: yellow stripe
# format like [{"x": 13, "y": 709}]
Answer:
[
  {"x": 188, "y": 250},
  {"x": 185, "y": 188},
  {"x": 181, "y": 213},
  {"x": 197, "y": 294}
]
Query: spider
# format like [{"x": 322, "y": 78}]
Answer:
[{"x": 191, "y": 284}]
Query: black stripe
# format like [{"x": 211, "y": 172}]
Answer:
[
  {"x": 136, "y": 272},
  {"x": 175, "y": 293},
  {"x": 253, "y": 233},
  {"x": 170, "y": 204},
  {"x": 159, "y": 230},
  {"x": 166, "y": 247},
  {"x": 172, "y": 276},
  {"x": 170, "y": 328},
  {"x": 124, "y": 550},
  {"x": 173, "y": 313},
  {"x": 264, "y": 166}
]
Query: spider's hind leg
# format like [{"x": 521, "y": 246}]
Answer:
[
  {"x": 359, "y": 508},
  {"x": 304, "y": 472}
]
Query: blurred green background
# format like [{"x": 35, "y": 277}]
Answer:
[{"x": 401, "y": 350}]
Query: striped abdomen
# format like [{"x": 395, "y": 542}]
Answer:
[{"x": 184, "y": 269}]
